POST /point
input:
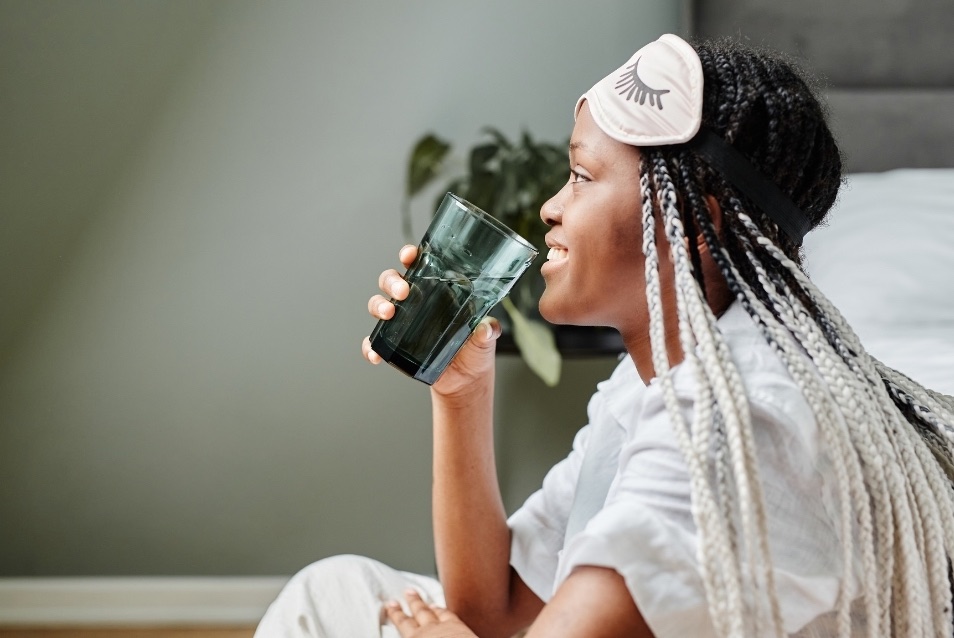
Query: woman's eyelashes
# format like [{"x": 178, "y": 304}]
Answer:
[{"x": 577, "y": 177}]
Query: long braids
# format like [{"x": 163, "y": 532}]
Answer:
[{"x": 891, "y": 441}]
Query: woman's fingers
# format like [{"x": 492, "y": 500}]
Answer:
[
  {"x": 396, "y": 288},
  {"x": 445, "y": 615},
  {"x": 421, "y": 611},
  {"x": 407, "y": 255},
  {"x": 405, "y": 624},
  {"x": 380, "y": 308},
  {"x": 422, "y": 614},
  {"x": 368, "y": 353},
  {"x": 392, "y": 283},
  {"x": 488, "y": 330}
]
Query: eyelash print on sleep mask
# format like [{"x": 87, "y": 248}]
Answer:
[{"x": 628, "y": 106}]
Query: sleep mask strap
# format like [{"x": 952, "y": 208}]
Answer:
[{"x": 732, "y": 165}]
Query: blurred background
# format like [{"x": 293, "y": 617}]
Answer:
[{"x": 196, "y": 198}]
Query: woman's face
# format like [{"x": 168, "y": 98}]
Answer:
[{"x": 594, "y": 270}]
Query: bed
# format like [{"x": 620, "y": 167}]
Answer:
[{"x": 886, "y": 257}]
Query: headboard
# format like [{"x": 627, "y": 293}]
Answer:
[
  {"x": 887, "y": 71},
  {"x": 887, "y": 68}
]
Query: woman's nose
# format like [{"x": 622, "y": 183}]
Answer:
[{"x": 552, "y": 210}]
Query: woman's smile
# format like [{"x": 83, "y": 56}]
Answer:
[{"x": 556, "y": 257}]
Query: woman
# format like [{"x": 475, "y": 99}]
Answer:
[{"x": 748, "y": 469}]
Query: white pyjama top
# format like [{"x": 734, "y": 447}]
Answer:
[{"x": 645, "y": 530}]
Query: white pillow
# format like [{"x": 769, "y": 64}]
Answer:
[{"x": 886, "y": 260}]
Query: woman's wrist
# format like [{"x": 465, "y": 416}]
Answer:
[{"x": 471, "y": 397}]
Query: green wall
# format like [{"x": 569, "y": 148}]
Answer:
[{"x": 197, "y": 200}]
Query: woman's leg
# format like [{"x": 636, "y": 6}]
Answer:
[{"x": 342, "y": 597}]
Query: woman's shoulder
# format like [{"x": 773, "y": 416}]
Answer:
[
  {"x": 773, "y": 395},
  {"x": 769, "y": 385}
]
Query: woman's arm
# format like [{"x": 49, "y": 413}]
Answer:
[
  {"x": 593, "y": 602},
  {"x": 472, "y": 540},
  {"x": 470, "y": 528}
]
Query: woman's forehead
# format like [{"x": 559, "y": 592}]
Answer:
[{"x": 588, "y": 138}]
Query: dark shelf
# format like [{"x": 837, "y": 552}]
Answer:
[{"x": 575, "y": 342}]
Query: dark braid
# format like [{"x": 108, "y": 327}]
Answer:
[
  {"x": 893, "y": 438},
  {"x": 690, "y": 226},
  {"x": 773, "y": 120}
]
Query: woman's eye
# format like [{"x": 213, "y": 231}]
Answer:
[{"x": 576, "y": 178}]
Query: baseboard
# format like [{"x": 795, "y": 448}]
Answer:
[{"x": 136, "y": 601}]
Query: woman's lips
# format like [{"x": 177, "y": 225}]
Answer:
[{"x": 556, "y": 257}]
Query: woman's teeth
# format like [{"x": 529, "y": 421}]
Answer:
[{"x": 556, "y": 254}]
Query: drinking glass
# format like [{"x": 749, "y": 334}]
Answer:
[{"x": 466, "y": 263}]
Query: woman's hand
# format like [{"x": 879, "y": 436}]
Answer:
[
  {"x": 426, "y": 621},
  {"x": 475, "y": 360}
]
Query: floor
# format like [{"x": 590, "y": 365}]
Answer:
[{"x": 127, "y": 632}]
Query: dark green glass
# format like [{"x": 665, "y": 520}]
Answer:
[{"x": 466, "y": 263}]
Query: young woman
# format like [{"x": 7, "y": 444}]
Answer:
[{"x": 748, "y": 469}]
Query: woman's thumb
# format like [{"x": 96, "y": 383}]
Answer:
[{"x": 488, "y": 330}]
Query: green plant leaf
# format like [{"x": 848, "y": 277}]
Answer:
[
  {"x": 527, "y": 141},
  {"x": 500, "y": 138},
  {"x": 459, "y": 186},
  {"x": 536, "y": 343},
  {"x": 481, "y": 157},
  {"x": 481, "y": 191},
  {"x": 425, "y": 163}
]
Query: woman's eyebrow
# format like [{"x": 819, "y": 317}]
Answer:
[{"x": 592, "y": 157}]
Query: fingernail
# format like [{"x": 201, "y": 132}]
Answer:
[
  {"x": 382, "y": 307},
  {"x": 410, "y": 591},
  {"x": 392, "y": 604}
]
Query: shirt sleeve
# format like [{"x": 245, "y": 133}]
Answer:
[
  {"x": 645, "y": 531},
  {"x": 538, "y": 528}
]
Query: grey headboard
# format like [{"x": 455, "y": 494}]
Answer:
[{"x": 887, "y": 68}]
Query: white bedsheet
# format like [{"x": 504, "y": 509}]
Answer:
[{"x": 886, "y": 260}]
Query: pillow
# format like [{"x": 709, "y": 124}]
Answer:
[{"x": 886, "y": 260}]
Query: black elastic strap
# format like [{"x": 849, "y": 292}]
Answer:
[{"x": 740, "y": 172}]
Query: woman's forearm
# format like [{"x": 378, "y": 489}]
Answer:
[{"x": 472, "y": 540}]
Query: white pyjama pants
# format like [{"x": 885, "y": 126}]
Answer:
[{"x": 342, "y": 597}]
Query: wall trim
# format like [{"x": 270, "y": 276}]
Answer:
[{"x": 136, "y": 601}]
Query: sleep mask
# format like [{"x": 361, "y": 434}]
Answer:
[{"x": 655, "y": 99}]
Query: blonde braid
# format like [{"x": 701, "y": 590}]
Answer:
[
  {"x": 851, "y": 487},
  {"x": 719, "y": 569},
  {"x": 876, "y": 453},
  {"x": 850, "y": 481},
  {"x": 924, "y": 501},
  {"x": 698, "y": 322}
]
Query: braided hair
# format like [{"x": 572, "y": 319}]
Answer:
[{"x": 890, "y": 439}]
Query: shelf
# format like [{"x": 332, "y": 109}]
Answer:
[{"x": 575, "y": 342}]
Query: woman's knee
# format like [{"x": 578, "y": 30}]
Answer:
[{"x": 337, "y": 568}]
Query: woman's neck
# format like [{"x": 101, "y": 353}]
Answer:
[{"x": 638, "y": 343}]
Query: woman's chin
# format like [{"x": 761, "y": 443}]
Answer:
[
  {"x": 552, "y": 310},
  {"x": 546, "y": 306},
  {"x": 556, "y": 311}
]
